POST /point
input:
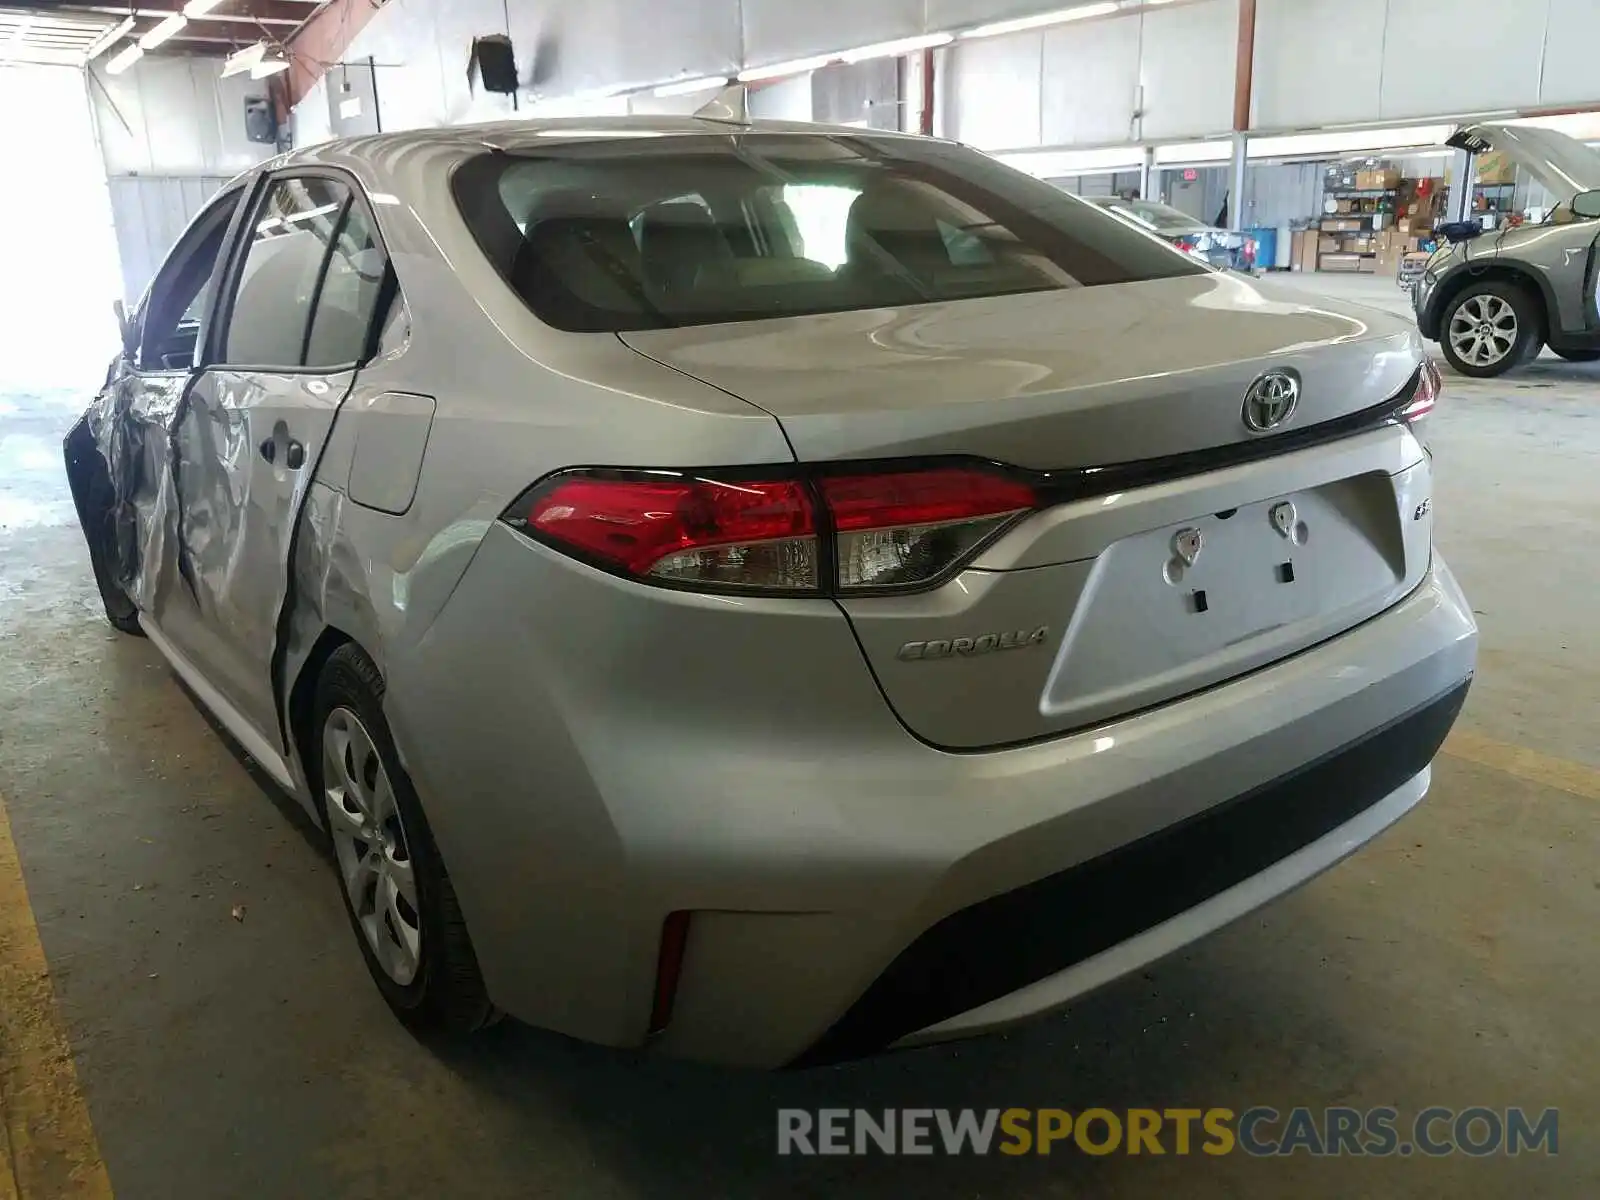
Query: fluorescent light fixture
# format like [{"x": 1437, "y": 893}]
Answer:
[
  {"x": 1188, "y": 153},
  {"x": 794, "y": 66},
  {"x": 199, "y": 8},
  {"x": 908, "y": 45},
  {"x": 312, "y": 214},
  {"x": 1053, "y": 164},
  {"x": 687, "y": 87},
  {"x": 241, "y": 61},
  {"x": 125, "y": 58},
  {"x": 1040, "y": 20},
  {"x": 1353, "y": 141},
  {"x": 108, "y": 39},
  {"x": 270, "y": 64},
  {"x": 162, "y": 32}
]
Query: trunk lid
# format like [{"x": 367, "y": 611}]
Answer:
[
  {"x": 1048, "y": 380},
  {"x": 1111, "y": 603},
  {"x": 1562, "y": 164}
]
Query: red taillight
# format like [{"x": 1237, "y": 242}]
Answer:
[
  {"x": 903, "y": 529},
  {"x": 891, "y": 529},
  {"x": 682, "y": 528},
  {"x": 1186, "y": 244},
  {"x": 1426, "y": 397}
]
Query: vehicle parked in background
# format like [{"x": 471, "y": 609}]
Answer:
[
  {"x": 770, "y": 592},
  {"x": 1219, "y": 247},
  {"x": 1493, "y": 300}
]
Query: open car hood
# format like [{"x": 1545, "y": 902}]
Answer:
[{"x": 1563, "y": 164}]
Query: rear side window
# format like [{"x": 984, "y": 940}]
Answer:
[
  {"x": 639, "y": 233},
  {"x": 349, "y": 297},
  {"x": 311, "y": 281}
]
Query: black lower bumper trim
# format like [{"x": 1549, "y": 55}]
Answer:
[{"x": 999, "y": 945}]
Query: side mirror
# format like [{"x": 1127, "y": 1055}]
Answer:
[
  {"x": 124, "y": 327},
  {"x": 1587, "y": 205}
]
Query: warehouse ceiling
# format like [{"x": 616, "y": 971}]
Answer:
[{"x": 67, "y": 33}]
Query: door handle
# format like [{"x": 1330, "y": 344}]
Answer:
[{"x": 294, "y": 456}]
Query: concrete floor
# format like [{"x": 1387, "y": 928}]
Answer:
[{"x": 1454, "y": 962}]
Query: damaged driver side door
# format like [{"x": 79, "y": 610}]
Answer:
[{"x": 297, "y": 318}]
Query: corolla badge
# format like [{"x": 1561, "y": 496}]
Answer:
[
  {"x": 1271, "y": 400},
  {"x": 988, "y": 643}
]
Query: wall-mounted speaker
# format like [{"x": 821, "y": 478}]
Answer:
[
  {"x": 494, "y": 63},
  {"x": 260, "y": 120}
]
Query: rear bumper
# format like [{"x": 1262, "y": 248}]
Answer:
[
  {"x": 851, "y": 887},
  {"x": 1024, "y": 951}
]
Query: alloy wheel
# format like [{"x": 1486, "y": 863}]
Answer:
[
  {"x": 369, "y": 840},
  {"x": 1483, "y": 330}
]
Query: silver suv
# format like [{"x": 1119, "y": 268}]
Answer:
[{"x": 1495, "y": 299}]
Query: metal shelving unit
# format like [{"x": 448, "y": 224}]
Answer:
[{"x": 1365, "y": 218}]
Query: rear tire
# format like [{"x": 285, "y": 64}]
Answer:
[
  {"x": 1489, "y": 328},
  {"x": 1578, "y": 356},
  {"x": 400, "y": 901}
]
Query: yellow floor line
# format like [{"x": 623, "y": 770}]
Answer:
[
  {"x": 47, "y": 1143},
  {"x": 1560, "y": 773}
]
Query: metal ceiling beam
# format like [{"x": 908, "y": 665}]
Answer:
[
  {"x": 320, "y": 43},
  {"x": 290, "y": 13}
]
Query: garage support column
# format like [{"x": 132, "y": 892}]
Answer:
[
  {"x": 1147, "y": 161},
  {"x": 1241, "y": 147}
]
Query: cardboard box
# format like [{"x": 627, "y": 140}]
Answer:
[
  {"x": 1341, "y": 225},
  {"x": 1344, "y": 206},
  {"x": 1383, "y": 178},
  {"x": 1327, "y": 243},
  {"x": 1303, "y": 250},
  {"x": 1495, "y": 167},
  {"x": 1403, "y": 225},
  {"x": 1342, "y": 263},
  {"x": 1367, "y": 266}
]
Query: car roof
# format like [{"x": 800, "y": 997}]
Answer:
[{"x": 526, "y": 134}]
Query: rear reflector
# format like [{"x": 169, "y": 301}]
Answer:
[
  {"x": 669, "y": 968},
  {"x": 892, "y": 530}
]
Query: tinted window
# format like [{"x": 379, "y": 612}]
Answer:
[
  {"x": 177, "y": 300},
  {"x": 1158, "y": 216},
  {"x": 636, "y": 233},
  {"x": 278, "y": 281},
  {"x": 311, "y": 281},
  {"x": 349, "y": 296}
]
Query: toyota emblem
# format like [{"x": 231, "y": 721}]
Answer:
[{"x": 1271, "y": 400}]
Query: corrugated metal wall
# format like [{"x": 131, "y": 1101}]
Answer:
[
  {"x": 171, "y": 132},
  {"x": 149, "y": 212}
]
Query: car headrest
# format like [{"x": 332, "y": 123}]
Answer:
[
  {"x": 592, "y": 257},
  {"x": 898, "y": 223},
  {"x": 676, "y": 241}
]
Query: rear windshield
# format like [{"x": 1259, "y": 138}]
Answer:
[{"x": 642, "y": 233}]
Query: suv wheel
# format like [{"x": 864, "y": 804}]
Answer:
[{"x": 1490, "y": 328}]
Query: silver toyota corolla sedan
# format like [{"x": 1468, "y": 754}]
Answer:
[{"x": 771, "y": 592}]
